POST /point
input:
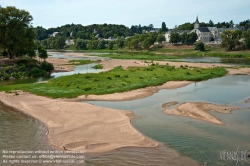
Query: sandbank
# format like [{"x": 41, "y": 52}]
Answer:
[
  {"x": 78, "y": 125},
  {"x": 201, "y": 111},
  {"x": 169, "y": 104}
]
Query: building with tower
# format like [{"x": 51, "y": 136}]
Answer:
[{"x": 205, "y": 34}]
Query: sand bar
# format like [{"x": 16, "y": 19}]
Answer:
[
  {"x": 169, "y": 104},
  {"x": 78, "y": 125},
  {"x": 201, "y": 111}
]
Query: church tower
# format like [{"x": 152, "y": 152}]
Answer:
[{"x": 196, "y": 24}]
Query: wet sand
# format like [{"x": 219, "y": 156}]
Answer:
[{"x": 201, "y": 111}]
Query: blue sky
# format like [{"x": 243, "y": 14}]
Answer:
[{"x": 53, "y": 13}]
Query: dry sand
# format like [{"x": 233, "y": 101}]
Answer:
[
  {"x": 78, "y": 125},
  {"x": 60, "y": 65},
  {"x": 199, "y": 110},
  {"x": 134, "y": 94},
  {"x": 240, "y": 71}
]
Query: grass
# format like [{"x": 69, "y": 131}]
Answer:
[
  {"x": 116, "y": 80},
  {"x": 98, "y": 66},
  {"x": 80, "y": 62}
]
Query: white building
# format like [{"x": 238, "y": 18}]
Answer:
[
  {"x": 205, "y": 34},
  {"x": 69, "y": 42}
]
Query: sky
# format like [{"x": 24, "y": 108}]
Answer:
[{"x": 53, "y": 13}]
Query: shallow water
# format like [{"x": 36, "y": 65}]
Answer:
[{"x": 196, "y": 139}]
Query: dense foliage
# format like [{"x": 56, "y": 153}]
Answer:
[
  {"x": 17, "y": 36},
  {"x": 231, "y": 39},
  {"x": 23, "y": 68},
  {"x": 183, "y": 38},
  {"x": 200, "y": 46}
]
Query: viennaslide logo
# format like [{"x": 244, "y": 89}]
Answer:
[{"x": 234, "y": 155}]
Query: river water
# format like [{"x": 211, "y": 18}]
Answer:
[{"x": 193, "y": 138}]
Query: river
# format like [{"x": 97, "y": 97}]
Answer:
[{"x": 193, "y": 138}]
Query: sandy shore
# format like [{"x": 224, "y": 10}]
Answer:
[
  {"x": 201, "y": 111},
  {"x": 80, "y": 126},
  {"x": 247, "y": 100},
  {"x": 134, "y": 94}
]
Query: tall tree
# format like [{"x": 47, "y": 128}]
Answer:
[
  {"x": 160, "y": 38},
  {"x": 164, "y": 27},
  {"x": 230, "y": 39},
  {"x": 42, "y": 53},
  {"x": 246, "y": 39},
  {"x": 80, "y": 44},
  {"x": 16, "y": 33},
  {"x": 175, "y": 38}
]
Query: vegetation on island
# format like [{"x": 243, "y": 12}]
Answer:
[{"x": 116, "y": 80}]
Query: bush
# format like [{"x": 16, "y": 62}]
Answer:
[
  {"x": 200, "y": 46},
  {"x": 48, "y": 67},
  {"x": 36, "y": 72},
  {"x": 99, "y": 66}
]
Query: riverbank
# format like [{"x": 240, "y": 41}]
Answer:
[
  {"x": 63, "y": 64},
  {"x": 134, "y": 94},
  {"x": 80, "y": 126},
  {"x": 201, "y": 111}
]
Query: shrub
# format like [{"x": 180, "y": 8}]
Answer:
[
  {"x": 200, "y": 46},
  {"x": 36, "y": 72},
  {"x": 48, "y": 67}
]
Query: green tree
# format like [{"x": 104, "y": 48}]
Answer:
[
  {"x": 120, "y": 42},
  {"x": 184, "y": 38},
  {"x": 135, "y": 44},
  {"x": 60, "y": 42},
  {"x": 146, "y": 43},
  {"x": 160, "y": 38},
  {"x": 230, "y": 39},
  {"x": 175, "y": 37},
  {"x": 42, "y": 53},
  {"x": 101, "y": 45},
  {"x": 80, "y": 44},
  {"x": 246, "y": 39},
  {"x": 164, "y": 27},
  {"x": 110, "y": 45},
  {"x": 192, "y": 37},
  {"x": 16, "y": 33},
  {"x": 200, "y": 46}
]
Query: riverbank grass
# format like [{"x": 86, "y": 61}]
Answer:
[{"x": 116, "y": 80}]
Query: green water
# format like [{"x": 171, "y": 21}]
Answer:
[{"x": 196, "y": 139}]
